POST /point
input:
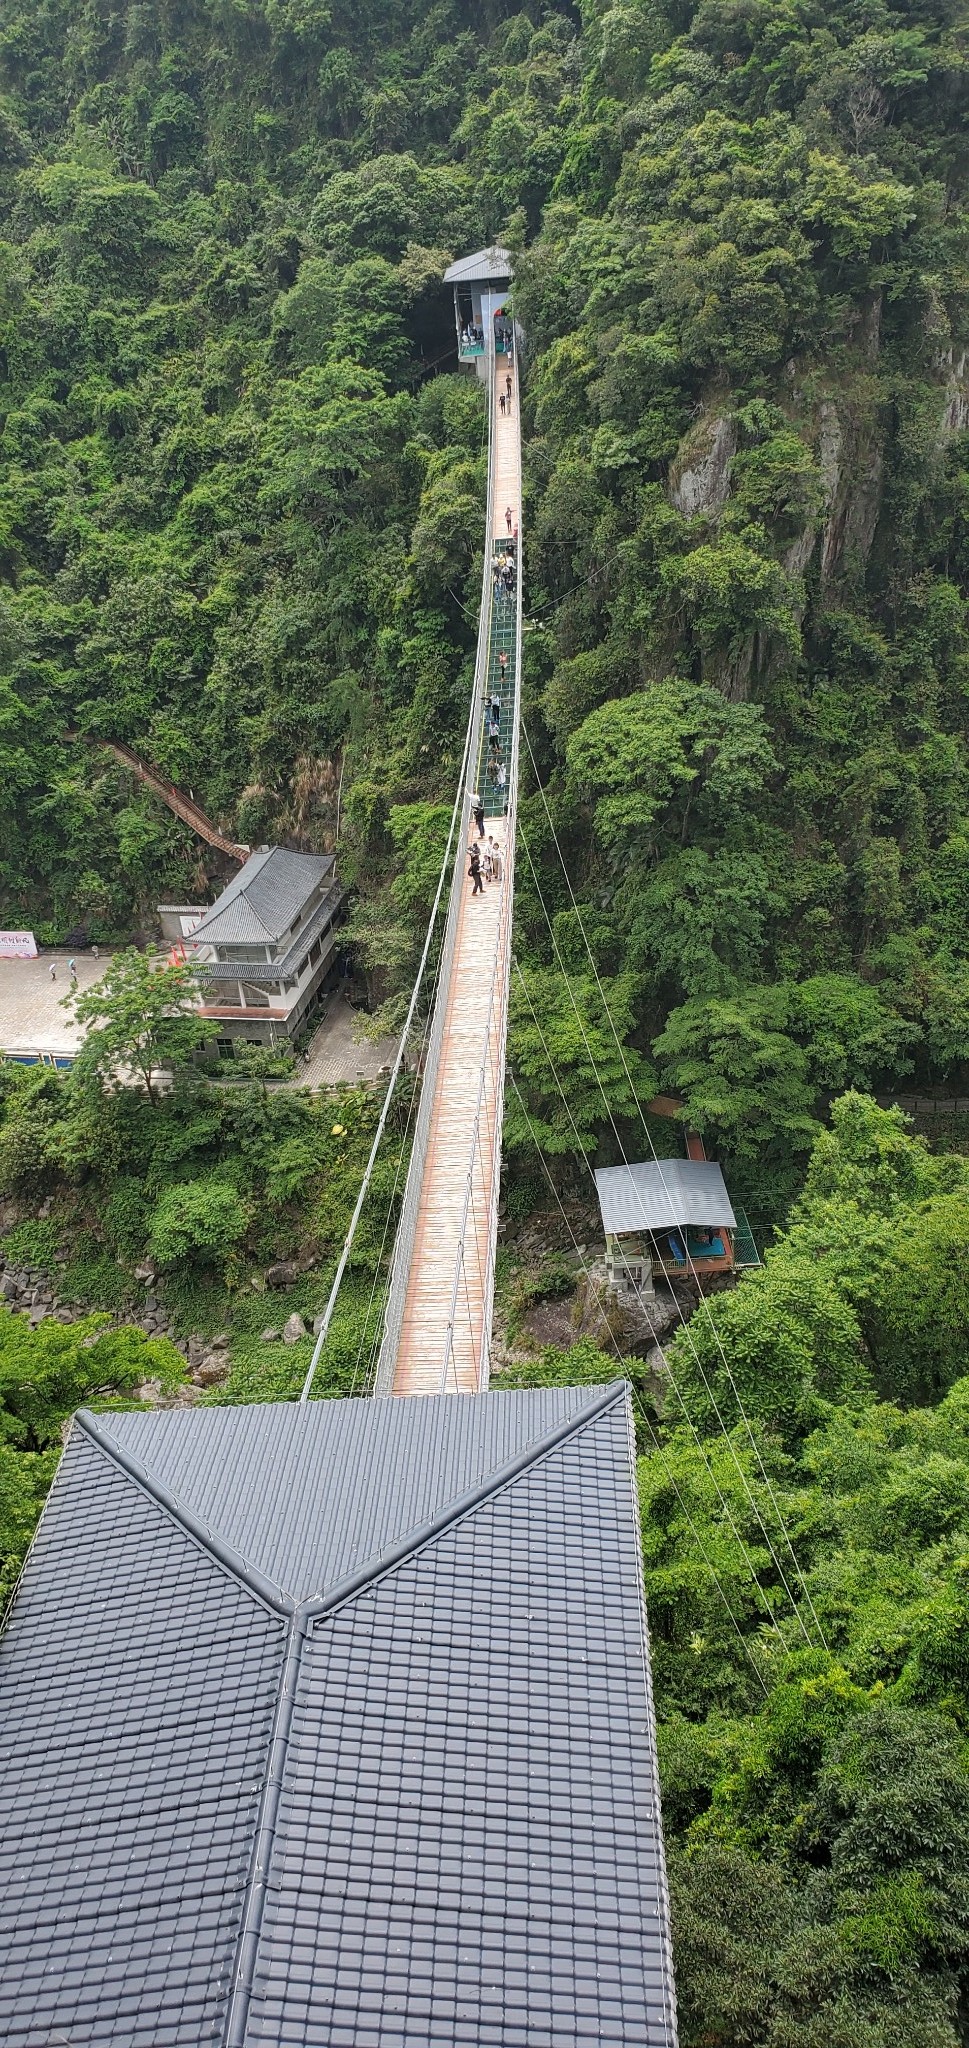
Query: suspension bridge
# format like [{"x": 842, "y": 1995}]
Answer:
[{"x": 437, "y": 1326}]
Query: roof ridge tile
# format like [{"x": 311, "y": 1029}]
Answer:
[{"x": 232, "y": 1561}]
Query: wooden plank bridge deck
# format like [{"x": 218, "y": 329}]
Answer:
[{"x": 446, "y": 1318}]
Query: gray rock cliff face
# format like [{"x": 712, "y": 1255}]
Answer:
[
  {"x": 955, "y": 409},
  {"x": 700, "y": 475}
]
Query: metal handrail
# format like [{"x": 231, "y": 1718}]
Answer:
[
  {"x": 508, "y": 887},
  {"x": 497, "y": 995}
]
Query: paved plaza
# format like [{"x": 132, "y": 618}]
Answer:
[
  {"x": 31, "y": 1017},
  {"x": 337, "y": 1056},
  {"x": 33, "y": 1022}
]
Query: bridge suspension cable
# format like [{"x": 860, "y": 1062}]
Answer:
[
  {"x": 394, "y": 1072},
  {"x": 684, "y": 1320}
]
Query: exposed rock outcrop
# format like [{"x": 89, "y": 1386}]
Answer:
[{"x": 699, "y": 478}]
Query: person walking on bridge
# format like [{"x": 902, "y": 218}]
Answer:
[
  {"x": 477, "y": 810},
  {"x": 509, "y": 518},
  {"x": 501, "y": 402},
  {"x": 474, "y": 870}
]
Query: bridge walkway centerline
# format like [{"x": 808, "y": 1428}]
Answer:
[{"x": 438, "y": 1321}]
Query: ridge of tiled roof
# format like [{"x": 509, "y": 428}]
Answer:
[{"x": 307, "y": 1494}]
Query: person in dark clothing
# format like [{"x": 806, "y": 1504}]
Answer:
[
  {"x": 474, "y": 866},
  {"x": 501, "y": 401},
  {"x": 479, "y": 818},
  {"x": 508, "y": 388}
]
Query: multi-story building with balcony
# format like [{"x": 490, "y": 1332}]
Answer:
[{"x": 266, "y": 945}]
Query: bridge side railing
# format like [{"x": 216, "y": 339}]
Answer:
[
  {"x": 503, "y": 975},
  {"x": 410, "y": 1207}
]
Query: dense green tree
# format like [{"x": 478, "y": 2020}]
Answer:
[{"x": 140, "y": 1017}]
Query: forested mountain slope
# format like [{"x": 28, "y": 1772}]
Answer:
[
  {"x": 747, "y": 306},
  {"x": 241, "y": 486},
  {"x": 237, "y": 512}
]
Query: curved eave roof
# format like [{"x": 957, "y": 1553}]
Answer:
[{"x": 486, "y": 266}]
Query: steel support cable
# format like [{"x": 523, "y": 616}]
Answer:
[
  {"x": 583, "y": 1158},
  {"x": 374, "y": 1344},
  {"x": 683, "y": 1319},
  {"x": 647, "y": 1422},
  {"x": 704, "y": 1305},
  {"x": 390, "y": 1210},
  {"x": 395, "y": 1070}
]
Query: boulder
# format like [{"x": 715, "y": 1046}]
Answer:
[
  {"x": 221, "y": 1342},
  {"x": 38, "y": 1314},
  {"x": 294, "y": 1328},
  {"x": 283, "y": 1274},
  {"x": 318, "y": 1322},
  {"x": 9, "y": 1286},
  {"x": 269, "y": 1337},
  {"x": 197, "y": 1348},
  {"x": 145, "y": 1273},
  {"x": 214, "y": 1367}
]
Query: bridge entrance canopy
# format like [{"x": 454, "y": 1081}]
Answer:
[{"x": 481, "y": 284}]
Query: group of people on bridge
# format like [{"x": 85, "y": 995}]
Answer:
[
  {"x": 497, "y": 772},
  {"x": 484, "y": 861},
  {"x": 506, "y": 572}
]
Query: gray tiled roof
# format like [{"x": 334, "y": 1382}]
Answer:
[
  {"x": 287, "y": 964},
  {"x": 486, "y": 266},
  {"x": 658, "y": 1195},
  {"x": 262, "y": 900},
  {"x": 138, "y": 1688},
  {"x": 418, "y": 1806}
]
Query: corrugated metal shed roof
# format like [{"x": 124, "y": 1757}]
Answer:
[
  {"x": 486, "y": 266},
  {"x": 662, "y": 1194},
  {"x": 446, "y": 1757},
  {"x": 262, "y": 900}
]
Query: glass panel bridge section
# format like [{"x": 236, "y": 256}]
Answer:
[{"x": 437, "y": 1328}]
